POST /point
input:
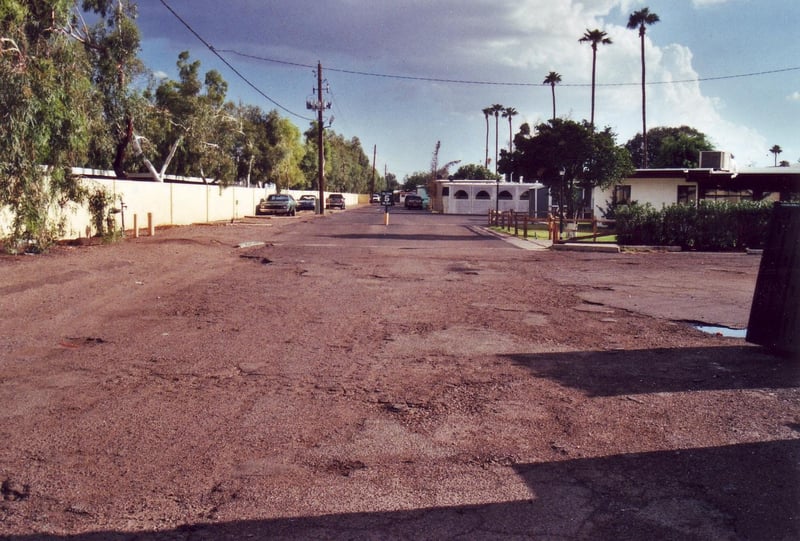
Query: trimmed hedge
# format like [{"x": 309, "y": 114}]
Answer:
[{"x": 710, "y": 226}]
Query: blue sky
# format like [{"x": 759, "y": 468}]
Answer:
[{"x": 407, "y": 51}]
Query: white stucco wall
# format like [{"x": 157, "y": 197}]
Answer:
[
  {"x": 169, "y": 203},
  {"x": 472, "y": 205},
  {"x": 659, "y": 192}
]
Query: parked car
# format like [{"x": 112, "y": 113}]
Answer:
[
  {"x": 413, "y": 201},
  {"x": 307, "y": 202},
  {"x": 277, "y": 203},
  {"x": 376, "y": 198},
  {"x": 335, "y": 200}
]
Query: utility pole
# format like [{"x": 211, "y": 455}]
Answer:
[
  {"x": 319, "y": 106},
  {"x": 372, "y": 182}
]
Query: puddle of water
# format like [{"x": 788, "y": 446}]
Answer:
[{"x": 722, "y": 331}]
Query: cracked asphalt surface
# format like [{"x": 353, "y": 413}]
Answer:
[{"x": 335, "y": 378}]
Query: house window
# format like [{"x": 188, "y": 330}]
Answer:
[
  {"x": 483, "y": 194},
  {"x": 505, "y": 195},
  {"x": 687, "y": 195},
  {"x": 461, "y": 194},
  {"x": 622, "y": 195}
]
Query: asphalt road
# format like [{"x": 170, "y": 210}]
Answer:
[{"x": 332, "y": 377}]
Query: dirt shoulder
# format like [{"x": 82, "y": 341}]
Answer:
[{"x": 340, "y": 379}]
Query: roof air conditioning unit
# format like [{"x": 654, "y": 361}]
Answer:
[{"x": 715, "y": 159}]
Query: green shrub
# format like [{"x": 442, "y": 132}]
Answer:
[
  {"x": 710, "y": 226},
  {"x": 638, "y": 224}
]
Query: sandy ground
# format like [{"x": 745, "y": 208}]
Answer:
[{"x": 335, "y": 378}]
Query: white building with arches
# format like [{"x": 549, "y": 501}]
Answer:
[{"x": 480, "y": 196}]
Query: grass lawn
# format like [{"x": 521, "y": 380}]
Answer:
[{"x": 542, "y": 233}]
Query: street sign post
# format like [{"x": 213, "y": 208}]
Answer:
[{"x": 387, "y": 200}]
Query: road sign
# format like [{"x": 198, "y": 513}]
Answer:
[{"x": 387, "y": 199}]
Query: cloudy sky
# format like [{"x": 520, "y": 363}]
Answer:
[{"x": 404, "y": 74}]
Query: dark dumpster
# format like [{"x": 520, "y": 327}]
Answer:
[{"x": 775, "y": 313}]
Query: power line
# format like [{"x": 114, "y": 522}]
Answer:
[
  {"x": 224, "y": 61},
  {"x": 501, "y": 83}
]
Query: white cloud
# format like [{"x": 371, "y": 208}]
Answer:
[
  {"x": 794, "y": 96},
  {"x": 704, "y": 3}
]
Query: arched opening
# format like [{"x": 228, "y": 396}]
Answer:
[
  {"x": 461, "y": 194},
  {"x": 483, "y": 194},
  {"x": 505, "y": 195}
]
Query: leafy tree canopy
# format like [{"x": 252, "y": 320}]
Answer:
[
  {"x": 670, "y": 147},
  {"x": 474, "y": 172},
  {"x": 417, "y": 178},
  {"x": 46, "y": 98},
  {"x": 587, "y": 158}
]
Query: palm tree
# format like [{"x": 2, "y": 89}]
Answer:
[
  {"x": 594, "y": 37},
  {"x": 486, "y": 113},
  {"x": 509, "y": 112},
  {"x": 776, "y": 149},
  {"x": 640, "y": 19},
  {"x": 496, "y": 109},
  {"x": 553, "y": 79}
]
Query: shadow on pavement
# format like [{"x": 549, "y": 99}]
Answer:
[
  {"x": 610, "y": 373},
  {"x": 390, "y": 235},
  {"x": 747, "y": 491}
]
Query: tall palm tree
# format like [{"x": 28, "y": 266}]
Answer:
[
  {"x": 496, "y": 109},
  {"x": 594, "y": 37},
  {"x": 487, "y": 111},
  {"x": 552, "y": 79},
  {"x": 776, "y": 149},
  {"x": 509, "y": 112},
  {"x": 641, "y": 19}
]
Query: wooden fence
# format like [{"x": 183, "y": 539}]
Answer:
[{"x": 555, "y": 231}]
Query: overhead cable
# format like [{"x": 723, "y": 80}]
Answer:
[
  {"x": 224, "y": 61},
  {"x": 500, "y": 83}
]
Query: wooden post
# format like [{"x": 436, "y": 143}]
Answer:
[
  {"x": 594, "y": 229},
  {"x": 136, "y": 226},
  {"x": 151, "y": 230}
]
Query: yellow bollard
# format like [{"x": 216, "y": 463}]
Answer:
[
  {"x": 136, "y": 226},
  {"x": 151, "y": 230},
  {"x": 386, "y": 218}
]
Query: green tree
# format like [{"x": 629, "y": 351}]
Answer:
[
  {"x": 775, "y": 150},
  {"x": 197, "y": 129},
  {"x": 273, "y": 151},
  {"x": 669, "y": 147},
  {"x": 552, "y": 79},
  {"x": 347, "y": 167},
  {"x": 45, "y": 91},
  {"x": 474, "y": 172},
  {"x": 418, "y": 178},
  {"x": 112, "y": 45},
  {"x": 391, "y": 182},
  {"x": 640, "y": 20},
  {"x": 594, "y": 38},
  {"x": 570, "y": 158}
]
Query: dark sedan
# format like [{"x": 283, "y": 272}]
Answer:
[{"x": 307, "y": 202}]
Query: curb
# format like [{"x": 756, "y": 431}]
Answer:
[{"x": 576, "y": 247}]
